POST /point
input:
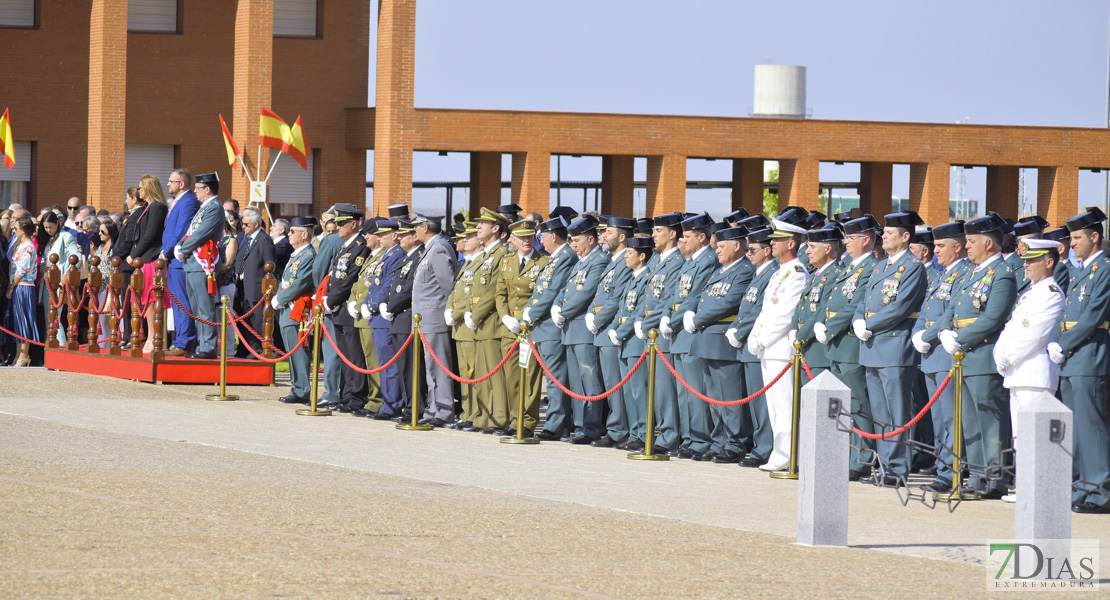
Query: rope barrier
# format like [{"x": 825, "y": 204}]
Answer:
[
  {"x": 912, "y": 422},
  {"x": 301, "y": 341},
  {"x": 190, "y": 315},
  {"x": 367, "y": 371},
  {"x": 722, "y": 402},
  {"x": 19, "y": 337},
  {"x": 50, "y": 292},
  {"x": 566, "y": 391},
  {"x": 247, "y": 314},
  {"x": 809, "y": 373},
  {"x": 463, "y": 379}
]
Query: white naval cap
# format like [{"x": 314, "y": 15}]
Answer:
[
  {"x": 1036, "y": 248},
  {"x": 784, "y": 229}
]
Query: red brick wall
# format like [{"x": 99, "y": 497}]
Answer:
[{"x": 107, "y": 100}]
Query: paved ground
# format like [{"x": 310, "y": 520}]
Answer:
[{"x": 119, "y": 489}]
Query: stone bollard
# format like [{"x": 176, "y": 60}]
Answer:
[
  {"x": 823, "y": 462},
  {"x": 1044, "y": 462}
]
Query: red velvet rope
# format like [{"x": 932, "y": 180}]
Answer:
[
  {"x": 366, "y": 371},
  {"x": 463, "y": 379},
  {"x": 19, "y": 337},
  {"x": 722, "y": 402},
  {"x": 302, "y": 339},
  {"x": 601, "y": 396},
  {"x": 913, "y": 421},
  {"x": 191, "y": 315}
]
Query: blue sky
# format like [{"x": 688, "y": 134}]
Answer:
[{"x": 1018, "y": 62}]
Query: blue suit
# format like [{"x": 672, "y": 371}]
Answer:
[
  {"x": 548, "y": 338},
  {"x": 176, "y": 225},
  {"x": 382, "y": 279},
  {"x": 207, "y": 224}
]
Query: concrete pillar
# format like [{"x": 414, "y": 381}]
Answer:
[
  {"x": 799, "y": 182},
  {"x": 747, "y": 184},
  {"x": 485, "y": 181},
  {"x": 616, "y": 185},
  {"x": 252, "y": 79},
  {"x": 666, "y": 184},
  {"x": 1057, "y": 193},
  {"x": 929, "y": 195},
  {"x": 393, "y": 140},
  {"x": 107, "y": 102},
  {"x": 876, "y": 188},
  {"x": 1042, "y": 516},
  {"x": 823, "y": 462},
  {"x": 1002, "y": 191},
  {"x": 532, "y": 181}
]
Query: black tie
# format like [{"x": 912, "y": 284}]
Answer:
[{"x": 522, "y": 261}]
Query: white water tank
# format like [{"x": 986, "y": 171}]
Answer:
[{"x": 780, "y": 91}]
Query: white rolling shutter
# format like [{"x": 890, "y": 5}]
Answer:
[
  {"x": 289, "y": 183},
  {"x": 295, "y": 17},
  {"x": 20, "y": 13},
  {"x": 143, "y": 159},
  {"x": 152, "y": 15},
  {"x": 22, "y": 169}
]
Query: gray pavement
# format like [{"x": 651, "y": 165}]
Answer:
[{"x": 115, "y": 489}]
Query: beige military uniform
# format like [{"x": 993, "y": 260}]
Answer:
[
  {"x": 514, "y": 290},
  {"x": 358, "y": 294},
  {"x": 490, "y": 395},
  {"x": 466, "y": 348}
]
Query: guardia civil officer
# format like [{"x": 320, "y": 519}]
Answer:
[
  {"x": 342, "y": 276},
  {"x": 201, "y": 237},
  {"x": 1080, "y": 348},
  {"x": 359, "y": 291},
  {"x": 1027, "y": 228},
  {"x": 327, "y": 246},
  {"x": 296, "y": 284},
  {"x": 622, "y": 336},
  {"x": 823, "y": 249},
  {"x": 1062, "y": 275},
  {"x": 883, "y": 322},
  {"x": 976, "y": 315}
]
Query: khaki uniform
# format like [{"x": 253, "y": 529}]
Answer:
[
  {"x": 514, "y": 290},
  {"x": 480, "y": 284},
  {"x": 358, "y": 294},
  {"x": 466, "y": 347}
]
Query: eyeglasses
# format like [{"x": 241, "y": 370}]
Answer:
[
  {"x": 176, "y": 181},
  {"x": 73, "y": 207},
  {"x": 850, "y": 238}
]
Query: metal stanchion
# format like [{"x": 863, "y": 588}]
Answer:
[
  {"x": 223, "y": 395},
  {"x": 317, "y": 321},
  {"x": 520, "y": 439},
  {"x": 957, "y": 433},
  {"x": 649, "y": 429},
  {"x": 415, "y": 426},
  {"x": 795, "y": 416}
]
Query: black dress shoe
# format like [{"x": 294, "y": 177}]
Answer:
[
  {"x": 469, "y": 427},
  {"x": 622, "y": 445},
  {"x": 883, "y": 480},
  {"x": 703, "y": 456},
  {"x": 728, "y": 456},
  {"x": 345, "y": 408},
  {"x": 491, "y": 430},
  {"x": 603, "y": 442},
  {"x": 401, "y": 419},
  {"x": 547, "y": 436},
  {"x": 581, "y": 440},
  {"x": 938, "y": 487},
  {"x": 992, "y": 495},
  {"x": 291, "y": 399},
  {"x": 680, "y": 453},
  {"x": 929, "y": 471},
  {"x": 380, "y": 416},
  {"x": 752, "y": 461},
  {"x": 332, "y": 406},
  {"x": 362, "y": 412},
  {"x": 857, "y": 475},
  {"x": 424, "y": 421},
  {"x": 202, "y": 355},
  {"x": 1089, "y": 508},
  {"x": 634, "y": 446},
  {"x": 458, "y": 424},
  {"x": 436, "y": 422}
]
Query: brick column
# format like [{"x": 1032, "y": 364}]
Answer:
[
  {"x": 747, "y": 184},
  {"x": 616, "y": 185},
  {"x": 107, "y": 102},
  {"x": 1002, "y": 191},
  {"x": 393, "y": 144},
  {"x": 876, "y": 188},
  {"x": 532, "y": 181},
  {"x": 929, "y": 191},
  {"x": 1057, "y": 193},
  {"x": 254, "y": 49},
  {"x": 799, "y": 182},
  {"x": 666, "y": 184},
  {"x": 485, "y": 181}
]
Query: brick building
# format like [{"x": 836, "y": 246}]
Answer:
[{"x": 232, "y": 57}]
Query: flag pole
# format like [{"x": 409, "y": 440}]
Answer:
[
  {"x": 259, "y": 175},
  {"x": 272, "y": 165},
  {"x": 245, "y": 170}
]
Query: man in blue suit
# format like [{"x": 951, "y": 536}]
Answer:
[
  {"x": 381, "y": 279},
  {"x": 183, "y": 207},
  {"x": 883, "y": 322},
  {"x": 207, "y": 225}
]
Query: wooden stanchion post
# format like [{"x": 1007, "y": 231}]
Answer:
[
  {"x": 73, "y": 280},
  {"x": 93, "y": 347},
  {"x": 157, "y": 340},
  {"x": 53, "y": 281},
  {"x": 137, "y": 283},
  {"x": 112, "y": 305},
  {"x": 269, "y": 288}
]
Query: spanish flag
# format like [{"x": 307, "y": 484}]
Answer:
[
  {"x": 229, "y": 144},
  {"x": 296, "y": 147},
  {"x": 272, "y": 131},
  {"x": 7, "y": 145}
]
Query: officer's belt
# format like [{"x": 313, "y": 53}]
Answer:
[
  {"x": 868, "y": 314},
  {"x": 961, "y": 323},
  {"x": 621, "y": 320},
  {"x": 647, "y": 312},
  {"x": 727, "y": 319},
  {"x": 1066, "y": 325},
  {"x": 475, "y": 300}
]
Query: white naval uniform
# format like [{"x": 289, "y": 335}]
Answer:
[
  {"x": 768, "y": 341},
  {"x": 1021, "y": 353}
]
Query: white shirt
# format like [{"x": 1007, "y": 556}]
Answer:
[
  {"x": 664, "y": 255},
  {"x": 856, "y": 261},
  {"x": 618, "y": 255},
  {"x": 1086, "y": 263},
  {"x": 701, "y": 250},
  {"x": 893, "y": 259},
  {"x": 953, "y": 265},
  {"x": 637, "y": 272},
  {"x": 763, "y": 267},
  {"x": 993, "y": 257},
  {"x": 278, "y": 239}
]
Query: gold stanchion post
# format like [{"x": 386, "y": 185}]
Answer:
[
  {"x": 649, "y": 429},
  {"x": 223, "y": 395},
  {"x": 415, "y": 426},
  {"x": 317, "y": 320},
  {"x": 957, "y": 433},
  {"x": 520, "y": 439},
  {"x": 795, "y": 416}
]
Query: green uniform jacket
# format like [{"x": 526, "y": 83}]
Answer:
[
  {"x": 848, "y": 291},
  {"x": 811, "y": 309}
]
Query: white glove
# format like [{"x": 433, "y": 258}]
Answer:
[
  {"x": 557, "y": 315},
  {"x": 352, "y": 309},
  {"x": 821, "y": 332},
  {"x": 274, "y": 303},
  {"x": 524, "y": 316},
  {"x": 860, "y": 327},
  {"x": 447, "y": 317},
  {"x": 948, "y": 340},
  {"x": 613, "y": 338},
  {"x": 178, "y": 254},
  {"x": 590, "y": 318},
  {"x": 730, "y": 335},
  {"x": 638, "y": 326},
  {"x": 791, "y": 336},
  {"x": 511, "y": 323},
  {"x": 754, "y": 346},
  {"x": 327, "y": 309},
  {"x": 468, "y": 318},
  {"x": 688, "y": 322},
  {"x": 364, "y": 310},
  {"x": 920, "y": 344},
  {"x": 383, "y": 309},
  {"x": 1056, "y": 353},
  {"x": 665, "y": 327}
]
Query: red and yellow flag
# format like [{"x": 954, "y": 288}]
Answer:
[
  {"x": 229, "y": 144},
  {"x": 272, "y": 131},
  {"x": 7, "y": 145},
  {"x": 296, "y": 147}
]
